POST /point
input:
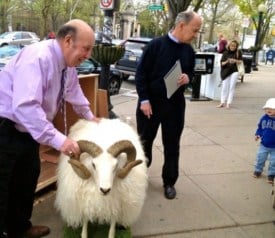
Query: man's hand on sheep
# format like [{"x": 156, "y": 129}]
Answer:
[
  {"x": 96, "y": 119},
  {"x": 70, "y": 148}
]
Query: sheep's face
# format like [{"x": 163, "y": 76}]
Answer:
[
  {"x": 105, "y": 165},
  {"x": 104, "y": 169}
]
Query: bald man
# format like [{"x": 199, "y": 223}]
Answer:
[
  {"x": 154, "y": 108},
  {"x": 30, "y": 96}
]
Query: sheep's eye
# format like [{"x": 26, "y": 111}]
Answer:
[{"x": 93, "y": 164}]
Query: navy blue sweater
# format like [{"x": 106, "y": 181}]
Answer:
[
  {"x": 158, "y": 58},
  {"x": 266, "y": 130}
]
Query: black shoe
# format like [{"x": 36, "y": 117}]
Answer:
[
  {"x": 270, "y": 179},
  {"x": 257, "y": 174},
  {"x": 37, "y": 232},
  {"x": 3, "y": 235},
  {"x": 169, "y": 192}
]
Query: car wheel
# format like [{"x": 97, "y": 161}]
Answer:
[{"x": 114, "y": 85}]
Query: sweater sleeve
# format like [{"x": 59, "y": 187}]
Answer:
[
  {"x": 259, "y": 131},
  {"x": 142, "y": 73}
]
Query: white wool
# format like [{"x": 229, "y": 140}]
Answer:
[{"x": 79, "y": 200}]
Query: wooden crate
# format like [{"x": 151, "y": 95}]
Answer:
[{"x": 99, "y": 106}]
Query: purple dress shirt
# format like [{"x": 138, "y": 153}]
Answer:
[{"x": 29, "y": 89}]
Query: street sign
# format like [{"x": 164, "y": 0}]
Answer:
[
  {"x": 155, "y": 7},
  {"x": 245, "y": 22},
  {"x": 107, "y": 4}
]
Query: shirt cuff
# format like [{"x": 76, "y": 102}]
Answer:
[
  {"x": 88, "y": 116},
  {"x": 144, "y": 101},
  {"x": 58, "y": 140}
]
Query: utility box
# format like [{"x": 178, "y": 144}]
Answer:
[
  {"x": 204, "y": 64},
  {"x": 211, "y": 83}
]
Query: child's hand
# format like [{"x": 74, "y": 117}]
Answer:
[{"x": 257, "y": 138}]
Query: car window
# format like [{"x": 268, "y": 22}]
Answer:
[
  {"x": 134, "y": 46},
  {"x": 86, "y": 63},
  {"x": 17, "y": 36},
  {"x": 26, "y": 35},
  {"x": 8, "y": 51},
  {"x": 33, "y": 35},
  {"x": 4, "y": 35}
]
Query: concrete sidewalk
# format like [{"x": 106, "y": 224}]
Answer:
[{"x": 217, "y": 196}]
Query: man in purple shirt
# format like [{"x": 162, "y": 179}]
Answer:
[{"x": 29, "y": 100}]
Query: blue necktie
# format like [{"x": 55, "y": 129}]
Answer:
[{"x": 61, "y": 99}]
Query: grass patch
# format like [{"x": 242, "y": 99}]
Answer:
[{"x": 96, "y": 231}]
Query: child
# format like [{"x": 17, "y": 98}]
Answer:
[{"x": 266, "y": 131}]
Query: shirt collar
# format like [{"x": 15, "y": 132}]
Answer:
[
  {"x": 59, "y": 54},
  {"x": 173, "y": 38}
]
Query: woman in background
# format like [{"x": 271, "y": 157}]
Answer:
[{"x": 229, "y": 73}]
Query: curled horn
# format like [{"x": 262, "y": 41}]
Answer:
[
  {"x": 128, "y": 148},
  {"x": 89, "y": 147}
]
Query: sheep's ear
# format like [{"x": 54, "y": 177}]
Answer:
[{"x": 80, "y": 169}]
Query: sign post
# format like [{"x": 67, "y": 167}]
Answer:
[{"x": 108, "y": 7}]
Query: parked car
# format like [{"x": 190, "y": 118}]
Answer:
[
  {"x": 133, "y": 51},
  {"x": 209, "y": 47},
  {"x": 117, "y": 41},
  {"x": 92, "y": 66},
  {"x": 6, "y": 53},
  {"x": 18, "y": 38}
]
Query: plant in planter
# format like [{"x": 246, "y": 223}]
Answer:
[{"x": 107, "y": 54}]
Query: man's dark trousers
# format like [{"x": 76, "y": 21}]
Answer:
[
  {"x": 170, "y": 114},
  {"x": 19, "y": 172}
]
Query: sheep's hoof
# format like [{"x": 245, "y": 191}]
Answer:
[{"x": 80, "y": 169}]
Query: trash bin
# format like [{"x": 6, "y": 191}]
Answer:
[
  {"x": 247, "y": 60},
  {"x": 270, "y": 55}
]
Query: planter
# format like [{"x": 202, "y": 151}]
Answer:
[{"x": 107, "y": 54}]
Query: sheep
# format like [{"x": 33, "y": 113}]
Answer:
[{"x": 108, "y": 183}]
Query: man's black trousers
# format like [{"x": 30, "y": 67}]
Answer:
[
  {"x": 19, "y": 172},
  {"x": 170, "y": 115}
]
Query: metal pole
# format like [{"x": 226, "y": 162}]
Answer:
[{"x": 108, "y": 26}]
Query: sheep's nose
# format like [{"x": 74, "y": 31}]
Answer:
[{"x": 105, "y": 190}]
